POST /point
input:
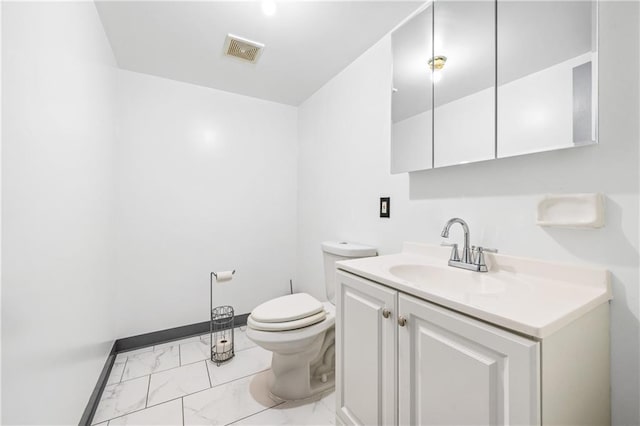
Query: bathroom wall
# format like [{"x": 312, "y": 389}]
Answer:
[
  {"x": 343, "y": 169},
  {"x": 206, "y": 182},
  {"x": 58, "y": 101}
]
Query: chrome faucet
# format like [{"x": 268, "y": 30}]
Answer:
[
  {"x": 466, "y": 251},
  {"x": 470, "y": 260}
]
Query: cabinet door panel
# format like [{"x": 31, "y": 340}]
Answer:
[
  {"x": 366, "y": 352},
  {"x": 456, "y": 380},
  {"x": 459, "y": 371}
]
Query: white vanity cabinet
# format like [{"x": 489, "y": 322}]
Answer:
[
  {"x": 366, "y": 356},
  {"x": 454, "y": 370},
  {"x": 403, "y": 360}
]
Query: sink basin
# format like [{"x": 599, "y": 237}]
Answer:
[
  {"x": 419, "y": 274},
  {"x": 453, "y": 279}
]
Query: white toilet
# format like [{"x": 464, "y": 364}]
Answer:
[{"x": 299, "y": 330}]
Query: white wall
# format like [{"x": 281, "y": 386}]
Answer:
[
  {"x": 343, "y": 169},
  {"x": 206, "y": 181},
  {"x": 58, "y": 136}
]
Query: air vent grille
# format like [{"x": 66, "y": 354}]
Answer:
[{"x": 242, "y": 48}]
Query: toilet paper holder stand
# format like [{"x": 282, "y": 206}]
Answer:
[
  {"x": 221, "y": 328},
  {"x": 215, "y": 274}
]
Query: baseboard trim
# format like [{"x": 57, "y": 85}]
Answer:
[
  {"x": 94, "y": 399},
  {"x": 141, "y": 341},
  {"x": 170, "y": 334}
]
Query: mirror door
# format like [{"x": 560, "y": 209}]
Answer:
[
  {"x": 412, "y": 95},
  {"x": 464, "y": 84},
  {"x": 547, "y": 73}
]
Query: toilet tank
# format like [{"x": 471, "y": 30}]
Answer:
[{"x": 340, "y": 250}]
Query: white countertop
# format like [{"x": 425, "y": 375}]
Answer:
[{"x": 532, "y": 297}]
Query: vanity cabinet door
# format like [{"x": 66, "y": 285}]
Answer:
[
  {"x": 366, "y": 349},
  {"x": 454, "y": 370}
]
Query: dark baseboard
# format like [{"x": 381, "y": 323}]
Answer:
[
  {"x": 94, "y": 399},
  {"x": 142, "y": 341},
  {"x": 171, "y": 334}
]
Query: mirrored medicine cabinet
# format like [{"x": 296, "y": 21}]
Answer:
[{"x": 479, "y": 80}]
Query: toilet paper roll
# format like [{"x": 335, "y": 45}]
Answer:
[
  {"x": 222, "y": 345},
  {"x": 224, "y": 276}
]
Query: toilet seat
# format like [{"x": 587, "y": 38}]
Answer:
[
  {"x": 287, "y": 325},
  {"x": 267, "y": 338},
  {"x": 287, "y": 308},
  {"x": 287, "y": 313}
]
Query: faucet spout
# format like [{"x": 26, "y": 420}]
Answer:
[{"x": 466, "y": 251}]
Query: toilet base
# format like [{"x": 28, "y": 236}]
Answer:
[
  {"x": 303, "y": 375},
  {"x": 315, "y": 393}
]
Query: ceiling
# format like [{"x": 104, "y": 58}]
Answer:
[{"x": 306, "y": 42}]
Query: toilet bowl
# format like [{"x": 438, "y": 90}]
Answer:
[
  {"x": 303, "y": 361},
  {"x": 300, "y": 331}
]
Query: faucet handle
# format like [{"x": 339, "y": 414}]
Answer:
[
  {"x": 476, "y": 249},
  {"x": 455, "y": 256},
  {"x": 479, "y": 257}
]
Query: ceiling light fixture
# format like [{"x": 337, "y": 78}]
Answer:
[
  {"x": 269, "y": 7},
  {"x": 436, "y": 64}
]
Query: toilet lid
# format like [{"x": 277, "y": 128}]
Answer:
[
  {"x": 287, "y": 325},
  {"x": 287, "y": 308}
]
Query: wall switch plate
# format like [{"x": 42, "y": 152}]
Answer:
[{"x": 385, "y": 206}]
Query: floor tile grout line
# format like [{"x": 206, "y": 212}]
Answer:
[
  {"x": 162, "y": 371},
  {"x": 256, "y": 413},
  {"x": 193, "y": 393},
  {"x": 146, "y": 402},
  {"x": 236, "y": 351},
  {"x": 148, "y": 374},
  {"x": 126, "y": 359},
  {"x": 173, "y": 368},
  {"x": 218, "y": 385},
  {"x": 138, "y": 410},
  {"x": 156, "y": 372},
  {"x": 147, "y": 406},
  {"x": 206, "y": 364},
  {"x": 152, "y": 372},
  {"x": 230, "y": 381},
  {"x": 188, "y": 394}
]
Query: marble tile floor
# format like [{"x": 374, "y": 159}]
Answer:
[{"x": 175, "y": 383}]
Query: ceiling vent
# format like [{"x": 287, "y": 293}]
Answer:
[{"x": 241, "y": 48}]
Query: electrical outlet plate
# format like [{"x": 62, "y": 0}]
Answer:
[{"x": 385, "y": 206}]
